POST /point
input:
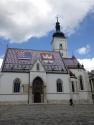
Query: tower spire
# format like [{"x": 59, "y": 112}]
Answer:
[
  {"x": 57, "y": 18},
  {"x": 59, "y": 42},
  {"x": 58, "y": 32},
  {"x": 57, "y": 26}
]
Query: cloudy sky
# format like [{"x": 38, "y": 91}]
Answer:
[{"x": 30, "y": 24}]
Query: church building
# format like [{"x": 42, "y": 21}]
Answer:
[{"x": 32, "y": 76}]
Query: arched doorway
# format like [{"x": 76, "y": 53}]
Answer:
[{"x": 38, "y": 90}]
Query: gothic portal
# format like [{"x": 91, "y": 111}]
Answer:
[{"x": 38, "y": 90}]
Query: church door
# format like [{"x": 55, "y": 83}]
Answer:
[
  {"x": 37, "y": 97},
  {"x": 37, "y": 90}
]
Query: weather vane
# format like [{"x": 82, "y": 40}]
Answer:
[{"x": 57, "y": 17}]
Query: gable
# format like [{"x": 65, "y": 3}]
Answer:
[{"x": 37, "y": 66}]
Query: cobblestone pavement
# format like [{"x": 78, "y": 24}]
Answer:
[{"x": 47, "y": 115}]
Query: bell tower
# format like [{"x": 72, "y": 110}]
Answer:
[{"x": 59, "y": 42}]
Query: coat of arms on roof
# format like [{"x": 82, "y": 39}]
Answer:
[
  {"x": 47, "y": 57},
  {"x": 23, "y": 54}
]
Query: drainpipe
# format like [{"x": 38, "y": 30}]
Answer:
[{"x": 29, "y": 88}]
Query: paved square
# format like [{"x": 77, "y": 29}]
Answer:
[{"x": 47, "y": 115}]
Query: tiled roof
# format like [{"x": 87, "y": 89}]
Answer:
[
  {"x": 22, "y": 60},
  {"x": 72, "y": 63}
]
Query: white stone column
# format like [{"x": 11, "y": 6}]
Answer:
[
  {"x": 30, "y": 95},
  {"x": 45, "y": 94}
]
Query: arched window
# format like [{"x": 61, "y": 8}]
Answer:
[
  {"x": 16, "y": 87},
  {"x": 59, "y": 85},
  {"x": 60, "y": 46},
  {"x": 73, "y": 88},
  {"x": 81, "y": 83}
]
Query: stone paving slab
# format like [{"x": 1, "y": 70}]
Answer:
[{"x": 46, "y": 115}]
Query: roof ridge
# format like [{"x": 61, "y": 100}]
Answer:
[{"x": 34, "y": 50}]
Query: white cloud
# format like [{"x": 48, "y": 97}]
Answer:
[
  {"x": 88, "y": 63},
  {"x": 83, "y": 50},
  {"x": 22, "y": 19}
]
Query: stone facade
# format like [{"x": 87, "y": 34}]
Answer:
[{"x": 91, "y": 79}]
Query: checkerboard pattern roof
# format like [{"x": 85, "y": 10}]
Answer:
[
  {"x": 22, "y": 60},
  {"x": 72, "y": 63}
]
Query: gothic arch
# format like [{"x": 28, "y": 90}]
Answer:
[
  {"x": 16, "y": 85},
  {"x": 59, "y": 85},
  {"x": 38, "y": 90},
  {"x": 81, "y": 82}
]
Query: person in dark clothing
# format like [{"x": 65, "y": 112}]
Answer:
[{"x": 71, "y": 102}]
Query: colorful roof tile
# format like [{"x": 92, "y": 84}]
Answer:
[
  {"x": 22, "y": 60},
  {"x": 72, "y": 63}
]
